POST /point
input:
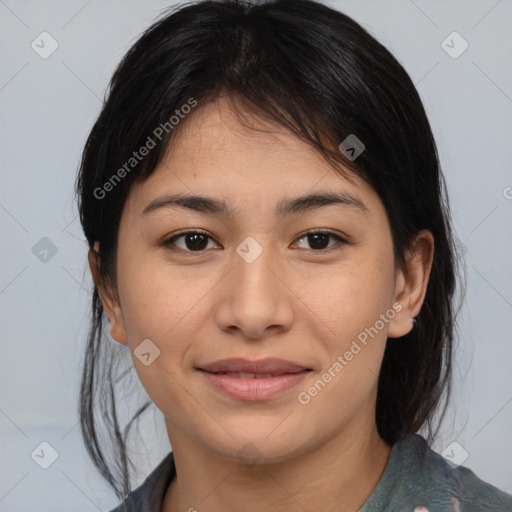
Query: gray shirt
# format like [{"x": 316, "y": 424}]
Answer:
[{"x": 415, "y": 476}]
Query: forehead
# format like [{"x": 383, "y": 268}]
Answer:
[
  {"x": 216, "y": 131},
  {"x": 215, "y": 154}
]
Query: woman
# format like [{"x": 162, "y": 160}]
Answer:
[{"x": 270, "y": 237}]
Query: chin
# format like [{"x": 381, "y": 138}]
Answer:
[{"x": 256, "y": 446}]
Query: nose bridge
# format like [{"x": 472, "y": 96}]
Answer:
[
  {"x": 252, "y": 268},
  {"x": 254, "y": 298}
]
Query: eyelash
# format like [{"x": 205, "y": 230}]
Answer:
[{"x": 170, "y": 241}]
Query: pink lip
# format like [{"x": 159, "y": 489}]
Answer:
[
  {"x": 250, "y": 390},
  {"x": 283, "y": 375}
]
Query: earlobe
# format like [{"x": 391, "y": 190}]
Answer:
[
  {"x": 108, "y": 299},
  {"x": 411, "y": 284},
  {"x": 117, "y": 330}
]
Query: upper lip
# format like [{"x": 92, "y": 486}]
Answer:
[{"x": 268, "y": 365}]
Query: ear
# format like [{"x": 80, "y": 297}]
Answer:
[
  {"x": 411, "y": 284},
  {"x": 108, "y": 298}
]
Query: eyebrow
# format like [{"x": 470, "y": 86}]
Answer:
[{"x": 285, "y": 207}]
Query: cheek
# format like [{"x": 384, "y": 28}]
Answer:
[
  {"x": 350, "y": 298},
  {"x": 350, "y": 303},
  {"x": 162, "y": 308},
  {"x": 155, "y": 301}
]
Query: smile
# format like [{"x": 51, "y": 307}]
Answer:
[{"x": 250, "y": 387}]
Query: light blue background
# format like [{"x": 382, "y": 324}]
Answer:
[{"x": 48, "y": 107}]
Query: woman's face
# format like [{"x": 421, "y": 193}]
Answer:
[{"x": 254, "y": 286}]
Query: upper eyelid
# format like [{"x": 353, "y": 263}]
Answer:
[{"x": 324, "y": 231}]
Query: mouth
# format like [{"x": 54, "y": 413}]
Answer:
[{"x": 251, "y": 381}]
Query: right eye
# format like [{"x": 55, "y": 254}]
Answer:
[{"x": 193, "y": 241}]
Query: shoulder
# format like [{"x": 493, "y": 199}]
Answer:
[
  {"x": 477, "y": 495},
  {"x": 446, "y": 487},
  {"x": 150, "y": 494}
]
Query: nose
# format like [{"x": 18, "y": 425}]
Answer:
[{"x": 254, "y": 299}]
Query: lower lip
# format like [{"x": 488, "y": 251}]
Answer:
[{"x": 251, "y": 390}]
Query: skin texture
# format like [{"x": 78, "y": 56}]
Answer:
[{"x": 293, "y": 302}]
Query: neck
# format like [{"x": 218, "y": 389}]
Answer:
[{"x": 337, "y": 476}]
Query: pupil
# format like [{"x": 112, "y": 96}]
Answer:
[
  {"x": 193, "y": 241},
  {"x": 317, "y": 239}
]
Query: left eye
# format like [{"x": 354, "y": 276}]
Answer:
[
  {"x": 318, "y": 240},
  {"x": 197, "y": 241}
]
